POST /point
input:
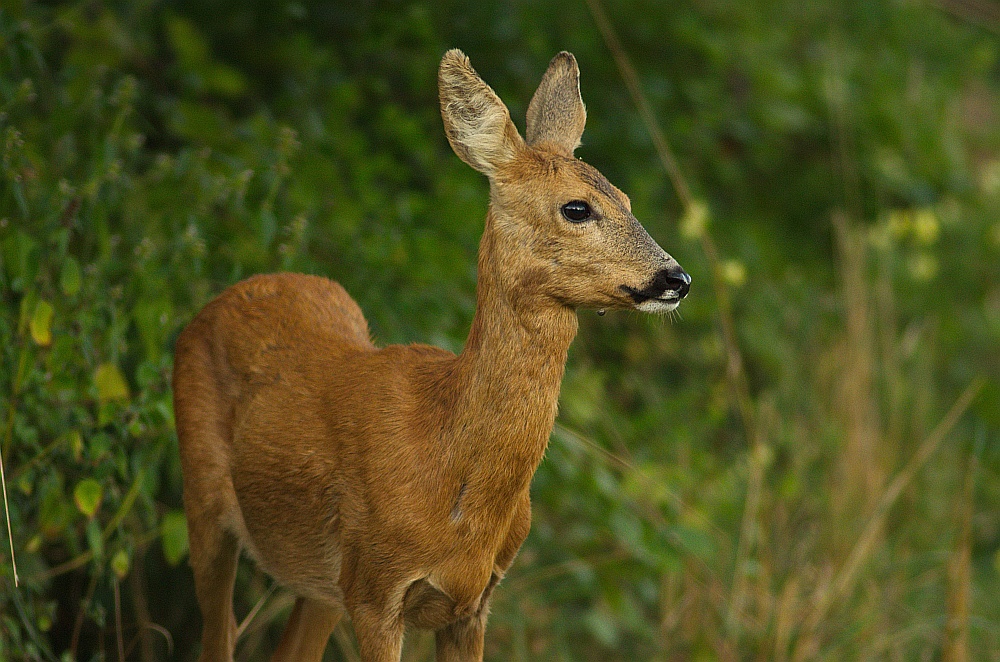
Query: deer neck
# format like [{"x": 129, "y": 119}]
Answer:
[{"x": 508, "y": 376}]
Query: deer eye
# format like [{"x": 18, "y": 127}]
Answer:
[{"x": 577, "y": 211}]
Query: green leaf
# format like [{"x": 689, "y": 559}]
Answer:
[
  {"x": 87, "y": 495},
  {"x": 94, "y": 539},
  {"x": 190, "y": 46},
  {"x": 693, "y": 541},
  {"x": 603, "y": 626},
  {"x": 120, "y": 563},
  {"x": 110, "y": 382},
  {"x": 70, "y": 278},
  {"x": 174, "y": 534},
  {"x": 224, "y": 80},
  {"x": 41, "y": 323},
  {"x": 151, "y": 317},
  {"x": 18, "y": 251},
  {"x": 54, "y": 511},
  {"x": 75, "y": 441},
  {"x": 268, "y": 225}
]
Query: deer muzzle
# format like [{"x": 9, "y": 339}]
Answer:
[{"x": 663, "y": 292}]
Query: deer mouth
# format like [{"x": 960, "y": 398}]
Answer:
[
  {"x": 663, "y": 293},
  {"x": 664, "y": 303},
  {"x": 658, "y": 305},
  {"x": 650, "y": 303}
]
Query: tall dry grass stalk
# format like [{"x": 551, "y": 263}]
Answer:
[
  {"x": 861, "y": 463},
  {"x": 956, "y": 645}
]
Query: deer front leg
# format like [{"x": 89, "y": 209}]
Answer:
[
  {"x": 462, "y": 641},
  {"x": 374, "y": 600},
  {"x": 379, "y": 633},
  {"x": 308, "y": 630}
]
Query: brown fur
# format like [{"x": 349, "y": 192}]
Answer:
[{"x": 393, "y": 483}]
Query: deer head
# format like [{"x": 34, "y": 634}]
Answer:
[{"x": 558, "y": 232}]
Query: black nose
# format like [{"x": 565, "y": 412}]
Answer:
[{"x": 676, "y": 279}]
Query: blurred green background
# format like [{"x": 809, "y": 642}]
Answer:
[{"x": 802, "y": 465}]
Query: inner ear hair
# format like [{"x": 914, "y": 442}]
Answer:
[
  {"x": 556, "y": 114},
  {"x": 476, "y": 121}
]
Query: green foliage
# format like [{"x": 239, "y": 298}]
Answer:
[
  {"x": 173, "y": 530},
  {"x": 742, "y": 482}
]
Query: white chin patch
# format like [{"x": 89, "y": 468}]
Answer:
[{"x": 658, "y": 305}]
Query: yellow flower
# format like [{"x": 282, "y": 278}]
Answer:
[
  {"x": 925, "y": 226},
  {"x": 923, "y": 267},
  {"x": 695, "y": 220},
  {"x": 734, "y": 273}
]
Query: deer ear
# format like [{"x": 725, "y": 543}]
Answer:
[
  {"x": 476, "y": 122},
  {"x": 556, "y": 114}
]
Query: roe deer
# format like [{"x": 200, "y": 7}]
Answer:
[{"x": 393, "y": 482}]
